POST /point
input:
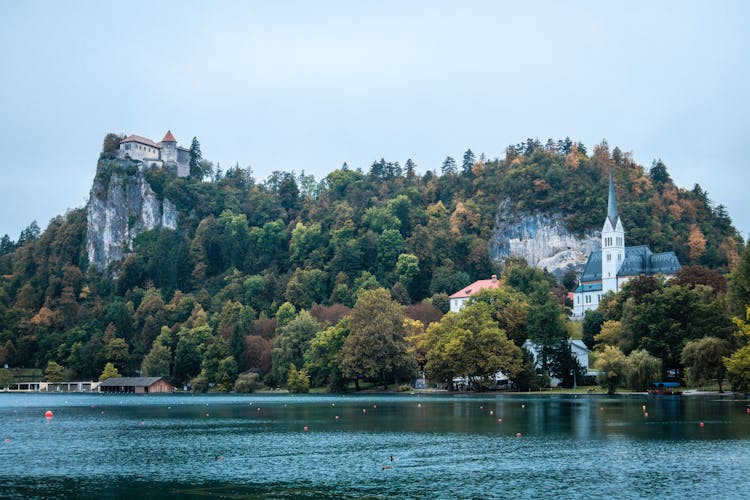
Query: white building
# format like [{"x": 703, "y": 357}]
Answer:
[
  {"x": 612, "y": 266},
  {"x": 164, "y": 154},
  {"x": 458, "y": 299},
  {"x": 577, "y": 348}
]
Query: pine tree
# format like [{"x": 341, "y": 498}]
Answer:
[{"x": 196, "y": 170}]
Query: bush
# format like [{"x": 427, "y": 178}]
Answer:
[
  {"x": 247, "y": 382},
  {"x": 199, "y": 383},
  {"x": 298, "y": 380}
]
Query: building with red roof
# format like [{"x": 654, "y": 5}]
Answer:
[
  {"x": 458, "y": 299},
  {"x": 164, "y": 154}
]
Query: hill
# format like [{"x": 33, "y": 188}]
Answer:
[{"x": 217, "y": 253}]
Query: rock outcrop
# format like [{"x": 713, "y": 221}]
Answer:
[
  {"x": 121, "y": 206},
  {"x": 543, "y": 240}
]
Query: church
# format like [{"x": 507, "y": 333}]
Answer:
[{"x": 611, "y": 267}]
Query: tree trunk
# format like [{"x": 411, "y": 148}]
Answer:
[{"x": 356, "y": 383}]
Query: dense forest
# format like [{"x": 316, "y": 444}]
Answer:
[{"x": 284, "y": 280}]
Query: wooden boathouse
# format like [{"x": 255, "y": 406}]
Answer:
[{"x": 136, "y": 385}]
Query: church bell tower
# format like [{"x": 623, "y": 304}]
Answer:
[{"x": 613, "y": 242}]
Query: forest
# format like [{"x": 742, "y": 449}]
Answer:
[{"x": 298, "y": 283}]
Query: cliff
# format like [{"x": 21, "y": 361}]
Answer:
[
  {"x": 121, "y": 206},
  {"x": 542, "y": 239}
]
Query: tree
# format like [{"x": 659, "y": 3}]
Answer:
[
  {"x": 196, "y": 157},
  {"x": 470, "y": 344},
  {"x": 510, "y": 310},
  {"x": 613, "y": 366},
  {"x": 468, "y": 161},
  {"x": 298, "y": 380},
  {"x": 53, "y": 372},
  {"x": 449, "y": 166},
  {"x": 322, "y": 357},
  {"x": 111, "y": 143},
  {"x": 247, "y": 382},
  {"x": 703, "y": 360},
  {"x": 738, "y": 369},
  {"x": 109, "y": 372},
  {"x": 376, "y": 348},
  {"x": 6, "y": 378},
  {"x": 659, "y": 174},
  {"x": 642, "y": 370},
  {"x": 591, "y": 326},
  {"x": 544, "y": 322},
  {"x": 157, "y": 361},
  {"x": 187, "y": 360},
  {"x": 564, "y": 365},
  {"x": 292, "y": 341}
]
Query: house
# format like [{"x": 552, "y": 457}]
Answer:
[
  {"x": 136, "y": 385},
  {"x": 608, "y": 269},
  {"x": 458, "y": 299},
  {"x": 164, "y": 154}
]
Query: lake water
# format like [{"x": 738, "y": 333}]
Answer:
[{"x": 401, "y": 446}]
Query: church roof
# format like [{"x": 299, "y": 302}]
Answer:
[
  {"x": 168, "y": 137},
  {"x": 612, "y": 214},
  {"x": 141, "y": 140},
  {"x": 467, "y": 291},
  {"x": 638, "y": 260}
]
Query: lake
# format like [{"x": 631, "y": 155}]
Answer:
[{"x": 373, "y": 446}]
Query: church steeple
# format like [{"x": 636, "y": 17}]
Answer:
[{"x": 612, "y": 214}]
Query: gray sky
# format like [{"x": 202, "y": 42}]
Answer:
[{"x": 309, "y": 85}]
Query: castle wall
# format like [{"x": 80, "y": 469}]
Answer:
[{"x": 139, "y": 151}]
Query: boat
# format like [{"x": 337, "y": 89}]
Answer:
[{"x": 665, "y": 389}]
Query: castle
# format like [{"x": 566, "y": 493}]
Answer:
[
  {"x": 165, "y": 154},
  {"x": 612, "y": 266}
]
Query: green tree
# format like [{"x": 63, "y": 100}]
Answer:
[
  {"x": 544, "y": 323},
  {"x": 322, "y": 357},
  {"x": 109, "y": 372},
  {"x": 703, "y": 360},
  {"x": 53, "y": 372},
  {"x": 376, "y": 348},
  {"x": 187, "y": 360},
  {"x": 642, "y": 370},
  {"x": 111, "y": 143},
  {"x": 591, "y": 326},
  {"x": 157, "y": 361},
  {"x": 738, "y": 369},
  {"x": 6, "y": 378},
  {"x": 665, "y": 319},
  {"x": 470, "y": 344},
  {"x": 196, "y": 157},
  {"x": 613, "y": 368},
  {"x": 247, "y": 382},
  {"x": 564, "y": 365},
  {"x": 298, "y": 381},
  {"x": 292, "y": 341},
  {"x": 226, "y": 373},
  {"x": 510, "y": 310}
]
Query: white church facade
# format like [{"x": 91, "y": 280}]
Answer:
[
  {"x": 611, "y": 267},
  {"x": 165, "y": 154}
]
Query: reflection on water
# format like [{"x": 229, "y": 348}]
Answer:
[{"x": 405, "y": 446}]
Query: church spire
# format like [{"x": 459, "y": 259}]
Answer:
[{"x": 612, "y": 214}]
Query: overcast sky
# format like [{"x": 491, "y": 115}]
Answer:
[{"x": 309, "y": 85}]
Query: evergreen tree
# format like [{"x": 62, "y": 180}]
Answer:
[{"x": 196, "y": 157}]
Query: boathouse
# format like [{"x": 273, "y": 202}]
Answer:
[{"x": 136, "y": 385}]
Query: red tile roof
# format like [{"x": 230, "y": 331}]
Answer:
[
  {"x": 168, "y": 137},
  {"x": 141, "y": 140},
  {"x": 467, "y": 291}
]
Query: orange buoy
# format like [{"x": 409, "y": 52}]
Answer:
[
  {"x": 142, "y": 422},
  {"x": 304, "y": 428},
  {"x": 518, "y": 434},
  {"x": 48, "y": 414},
  {"x": 337, "y": 417},
  {"x": 7, "y": 440},
  {"x": 645, "y": 414},
  {"x": 702, "y": 425}
]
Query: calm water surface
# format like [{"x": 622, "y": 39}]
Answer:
[{"x": 256, "y": 446}]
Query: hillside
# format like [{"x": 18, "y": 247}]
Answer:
[{"x": 223, "y": 253}]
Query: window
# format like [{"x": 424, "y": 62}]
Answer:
[{"x": 609, "y": 257}]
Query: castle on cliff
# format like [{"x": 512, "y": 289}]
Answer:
[
  {"x": 165, "y": 154},
  {"x": 612, "y": 266}
]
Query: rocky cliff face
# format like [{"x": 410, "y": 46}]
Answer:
[
  {"x": 121, "y": 205},
  {"x": 541, "y": 239}
]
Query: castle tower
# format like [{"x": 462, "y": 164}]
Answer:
[
  {"x": 613, "y": 242},
  {"x": 169, "y": 147}
]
